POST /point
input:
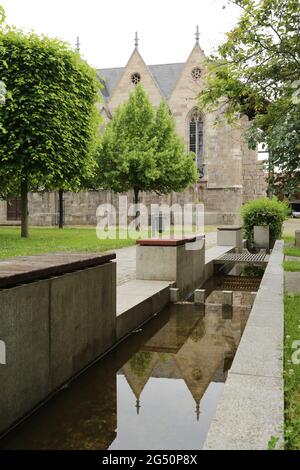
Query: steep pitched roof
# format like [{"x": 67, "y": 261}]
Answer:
[
  {"x": 109, "y": 78},
  {"x": 165, "y": 75}
]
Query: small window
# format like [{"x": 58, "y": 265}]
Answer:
[
  {"x": 196, "y": 73},
  {"x": 135, "y": 78}
]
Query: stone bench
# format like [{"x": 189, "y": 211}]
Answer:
[
  {"x": 26, "y": 269},
  {"x": 180, "y": 260},
  {"x": 230, "y": 235}
]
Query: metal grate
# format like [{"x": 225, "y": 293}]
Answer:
[
  {"x": 237, "y": 283},
  {"x": 246, "y": 257}
]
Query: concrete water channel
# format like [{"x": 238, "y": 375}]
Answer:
[
  {"x": 154, "y": 370},
  {"x": 157, "y": 390}
]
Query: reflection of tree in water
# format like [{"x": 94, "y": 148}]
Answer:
[
  {"x": 198, "y": 332},
  {"x": 253, "y": 271},
  {"x": 163, "y": 357},
  {"x": 140, "y": 362}
]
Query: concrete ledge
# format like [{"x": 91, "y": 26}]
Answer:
[
  {"x": 165, "y": 241},
  {"x": 138, "y": 301},
  {"x": 26, "y": 269},
  {"x": 251, "y": 407},
  {"x": 240, "y": 422},
  {"x": 230, "y": 227},
  {"x": 210, "y": 255}
]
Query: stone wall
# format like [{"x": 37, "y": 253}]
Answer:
[
  {"x": 3, "y": 210},
  {"x": 253, "y": 178},
  {"x": 42, "y": 208},
  {"x": 221, "y": 204}
]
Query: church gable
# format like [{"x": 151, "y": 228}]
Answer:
[
  {"x": 191, "y": 124},
  {"x": 191, "y": 79},
  {"x": 135, "y": 71}
]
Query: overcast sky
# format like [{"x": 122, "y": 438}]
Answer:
[{"x": 106, "y": 28}]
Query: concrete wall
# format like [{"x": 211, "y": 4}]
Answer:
[
  {"x": 24, "y": 320},
  {"x": 51, "y": 330}
]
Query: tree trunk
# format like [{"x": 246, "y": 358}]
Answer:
[
  {"x": 61, "y": 208},
  {"x": 137, "y": 214},
  {"x": 24, "y": 209},
  {"x": 270, "y": 191}
]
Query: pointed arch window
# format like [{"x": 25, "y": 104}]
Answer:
[{"x": 196, "y": 137}]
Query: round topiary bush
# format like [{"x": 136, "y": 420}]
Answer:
[{"x": 264, "y": 212}]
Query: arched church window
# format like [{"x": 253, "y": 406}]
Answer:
[
  {"x": 196, "y": 137},
  {"x": 135, "y": 78},
  {"x": 196, "y": 73}
]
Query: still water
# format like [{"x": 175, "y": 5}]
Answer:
[{"x": 158, "y": 390}]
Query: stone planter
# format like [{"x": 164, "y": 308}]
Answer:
[
  {"x": 261, "y": 236},
  {"x": 230, "y": 235}
]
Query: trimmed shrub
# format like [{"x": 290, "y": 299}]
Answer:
[{"x": 264, "y": 212}]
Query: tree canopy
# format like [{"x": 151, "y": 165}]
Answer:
[
  {"x": 141, "y": 150},
  {"x": 256, "y": 72},
  {"x": 49, "y": 123}
]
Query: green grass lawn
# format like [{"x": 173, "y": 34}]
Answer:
[
  {"x": 292, "y": 251},
  {"x": 292, "y": 371},
  {"x": 46, "y": 240},
  {"x": 293, "y": 266},
  {"x": 50, "y": 239},
  {"x": 289, "y": 248}
]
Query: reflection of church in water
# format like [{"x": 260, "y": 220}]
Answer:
[
  {"x": 192, "y": 347},
  {"x": 183, "y": 344}
]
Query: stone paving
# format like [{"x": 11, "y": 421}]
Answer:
[
  {"x": 292, "y": 282},
  {"x": 292, "y": 258},
  {"x": 290, "y": 226},
  {"x": 292, "y": 279},
  {"x": 126, "y": 259}
]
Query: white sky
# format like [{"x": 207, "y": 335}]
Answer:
[{"x": 106, "y": 28}]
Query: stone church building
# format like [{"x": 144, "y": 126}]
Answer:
[{"x": 229, "y": 173}]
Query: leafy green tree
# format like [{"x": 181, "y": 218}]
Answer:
[
  {"x": 282, "y": 139},
  {"x": 49, "y": 123},
  {"x": 256, "y": 72},
  {"x": 140, "y": 150},
  {"x": 176, "y": 169},
  {"x": 2, "y": 15}
]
